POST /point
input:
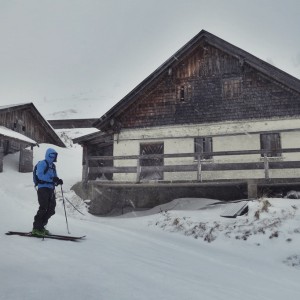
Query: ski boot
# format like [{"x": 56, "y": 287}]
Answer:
[
  {"x": 38, "y": 232},
  {"x": 46, "y": 232}
]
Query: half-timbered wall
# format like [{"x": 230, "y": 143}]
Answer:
[{"x": 210, "y": 86}]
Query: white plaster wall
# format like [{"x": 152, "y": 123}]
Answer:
[
  {"x": 180, "y": 139},
  {"x": 212, "y": 129},
  {"x": 290, "y": 140}
]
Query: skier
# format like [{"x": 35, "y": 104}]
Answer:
[{"x": 45, "y": 177}]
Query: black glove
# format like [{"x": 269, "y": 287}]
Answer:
[{"x": 58, "y": 181}]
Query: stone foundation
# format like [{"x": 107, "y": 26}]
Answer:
[{"x": 117, "y": 198}]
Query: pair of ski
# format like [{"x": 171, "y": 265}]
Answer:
[{"x": 48, "y": 236}]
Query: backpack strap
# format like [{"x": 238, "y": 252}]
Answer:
[
  {"x": 47, "y": 167},
  {"x": 39, "y": 181}
]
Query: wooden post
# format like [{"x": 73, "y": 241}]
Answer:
[
  {"x": 85, "y": 164},
  {"x": 25, "y": 160},
  {"x": 266, "y": 164},
  {"x": 138, "y": 170},
  {"x": 1, "y": 158},
  {"x": 199, "y": 169},
  {"x": 252, "y": 189}
]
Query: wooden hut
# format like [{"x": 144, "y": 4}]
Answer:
[
  {"x": 211, "y": 114},
  {"x": 22, "y": 126}
]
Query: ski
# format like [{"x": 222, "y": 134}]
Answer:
[{"x": 48, "y": 236}]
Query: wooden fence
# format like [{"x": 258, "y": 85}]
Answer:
[{"x": 199, "y": 166}]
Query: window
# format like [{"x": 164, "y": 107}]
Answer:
[
  {"x": 148, "y": 149},
  {"x": 232, "y": 87},
  {"x": 184, "y": 92},
  {"x": 181, "y": 93},
  {"x": 272, "y": 142},
  {"x": 203, "y": 145}
]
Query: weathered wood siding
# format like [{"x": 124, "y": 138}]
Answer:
[
  {"x": 210, "y": 86},
  {"x": 24, "y": 122}
]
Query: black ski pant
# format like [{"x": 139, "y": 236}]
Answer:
[{"x": 47, "y": 202}]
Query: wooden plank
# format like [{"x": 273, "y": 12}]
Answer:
[
  {"x": 178, "y": 155},
  {"x": 284, "y": 164},
  {"x": 232, "y": 210},
  {"x": 100, "y": 170},
  {"x": 204, "y": 167}
]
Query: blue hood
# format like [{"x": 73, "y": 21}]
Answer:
[{"x": 51, "y": 155}]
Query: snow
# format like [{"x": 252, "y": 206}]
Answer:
[
  {"x": 13, "y": 134},
  {"x": 181, "y": 250}
]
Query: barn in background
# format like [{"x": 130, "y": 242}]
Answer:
[
  {"x": 24, "y": 126},
  {"x": 211, "y": 116}
]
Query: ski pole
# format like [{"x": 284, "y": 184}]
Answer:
[
  {"x": 74, "y": 206},
  {"x": 65, "y": 208}
]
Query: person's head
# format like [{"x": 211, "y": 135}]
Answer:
[{"x": 51, "y": 155}]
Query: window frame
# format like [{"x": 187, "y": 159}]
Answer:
[
  {"x": 202, "y": 145},
  {"x": 184, "y": 92},
  {"x": 232, "y": 87},
  {"x": 146, "y": 176},
  {"x": 271, "y": 141}
]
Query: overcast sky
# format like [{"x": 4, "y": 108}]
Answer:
[{"x": 83, "y": 56}]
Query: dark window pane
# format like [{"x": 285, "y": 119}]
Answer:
[
  {"x": 203, "y": 145},
  {"x": 271, "y": 141}
]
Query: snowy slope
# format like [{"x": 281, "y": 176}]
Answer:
[{"x": 162, "y": 254}]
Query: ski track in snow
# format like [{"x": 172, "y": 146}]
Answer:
[{"x": 132, "y": 258}]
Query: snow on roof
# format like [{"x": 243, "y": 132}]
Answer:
[
  {"x": 12, "y": 105},
  {"x": 16, "y": 135},
  {"x": 40, "y": 118}
]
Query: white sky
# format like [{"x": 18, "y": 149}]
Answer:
[{"x": 60, "y": 54}]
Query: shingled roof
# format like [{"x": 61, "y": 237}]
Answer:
[{"x": 203, "y": 36}]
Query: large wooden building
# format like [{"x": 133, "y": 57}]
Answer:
[{"x": 212, "y": 113}]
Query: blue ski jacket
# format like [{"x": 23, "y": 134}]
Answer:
[{"x": 47, "y": 177}]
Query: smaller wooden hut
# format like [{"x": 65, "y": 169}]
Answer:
[{"x": 22, "y": 125}]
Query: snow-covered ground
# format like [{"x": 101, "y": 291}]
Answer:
[{"x": 182, "y": 250}]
